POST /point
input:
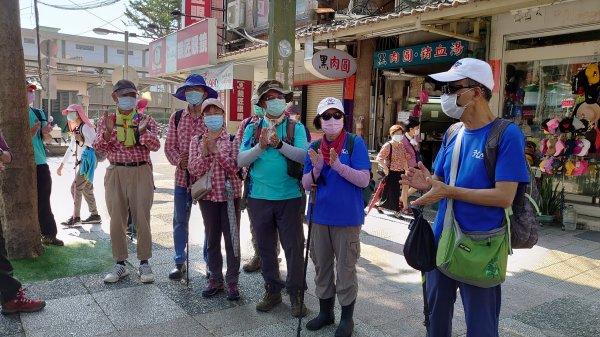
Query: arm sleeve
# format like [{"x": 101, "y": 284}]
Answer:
[
  {"x": 150, "y": 137},
  {"x": 247, "y": 153},
  {"x": 172, "y": 151},
  {"x": 294, "y": 153},
  {"x": 357, "y": 172}
]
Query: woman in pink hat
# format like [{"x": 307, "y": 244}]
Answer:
[{"x": 82, "y": 136}]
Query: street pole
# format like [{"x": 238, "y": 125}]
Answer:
[
  {"x": 126, "y": 68},
  {"x": 282, "y": 41}
]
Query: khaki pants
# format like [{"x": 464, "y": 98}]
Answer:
[
  {"x": 343, "y": 244},
  {"x": 83, "y": 187},
  {"x": 129, "y": 188}
]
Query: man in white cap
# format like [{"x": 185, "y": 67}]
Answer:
[{"x": 478, "y": 201}]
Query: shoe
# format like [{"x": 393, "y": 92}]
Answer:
[
  {"x": 298, "y": 308},
  {"x": 72, "y": 221},
  {"x": 145, "y": 273},
  {"x": 270, "y": 299},
  {"x": 252, "y": 265},
  {"x": 52, "y": 240},
  {"x": 93, "y": 219},
  {"x": 325, "y": 316},
  {"x": 22, "y": 304},
  {"x": 214, "y": 287},
  {"x": 346, "y": 326},
  {"x": 233, "y": 293},
  {"x": 177, "y": 273},
  {"x": 118, "y": 272}
]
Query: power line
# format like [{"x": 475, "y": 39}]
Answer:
[
  {"x": 84, "y": 6},
  {"x": 111, "y": 21}
]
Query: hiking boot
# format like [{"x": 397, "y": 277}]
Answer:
[
  {"x": 72, "y": 221},
  {"x": 117, "y": 272},
  {"x": 233, "y": 293},
  {"x": 22, "y": 304},
  {"x": 295, "y": 300},
  {"x": 346, "y": 326},
  {"x": 145, "y": 273},
  {"x": 214, "y": 287},
  {"x": 52, "y": 240},
  {"x": 252, "y": 265},
  {"x": 93, "y": 219},
  {"x": 270, "y": 299},
  {"x": 177, "y": 273},
  {"x": 325, "y": 317}
]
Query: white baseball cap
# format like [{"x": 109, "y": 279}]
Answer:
[
  {"x": 474, "y": 69},
  {"x": 330, "y": 103}
]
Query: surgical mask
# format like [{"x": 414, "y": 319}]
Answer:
[
  {"x": 194, "y": 97},
  {"x": 275, "y": 107},
  {"x": 333, "y": 126},
  {"x": 451, "y": 107},
  {"x": 213, "y": 122},
  {"x": 72, "y": 116},
  {"x": 259, "y": 111},
  {"x": 30, "y": 97},
  {"x": 397, "y": 138},
  {"x": 126, "y": 103}
]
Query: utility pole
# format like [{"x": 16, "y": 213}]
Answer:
[{"x": 282, "y": 41}]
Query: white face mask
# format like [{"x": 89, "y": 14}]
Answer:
[
  {"x": 451, "y": 107},
  {"x": 397, "y": 138}
]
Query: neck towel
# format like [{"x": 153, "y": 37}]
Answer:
[
  {"x": 125, "y": 133},
  {"x": 337, "y": 144}
]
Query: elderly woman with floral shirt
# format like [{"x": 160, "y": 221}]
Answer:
[{"x": 214, "y": 153}]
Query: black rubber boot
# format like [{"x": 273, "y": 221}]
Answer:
[
  {"x": 346, "y": 326},
  {"x": 325, "y": 316}
]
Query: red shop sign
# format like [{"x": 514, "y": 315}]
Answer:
[{"x": 239, "y": 100}]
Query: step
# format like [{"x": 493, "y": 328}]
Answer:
[
  {"x": 586, "y": 209},
  {"x": 578, "y": 198},
  {"x": 589, "y": 223}
]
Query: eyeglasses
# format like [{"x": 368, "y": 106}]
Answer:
[
  {"x": 450, "y": 89},
  {"x": 336, "y": 115},
  {"x": 270, "y": 98}
]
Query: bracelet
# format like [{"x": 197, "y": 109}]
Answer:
[{"x": 279, "y": 145}]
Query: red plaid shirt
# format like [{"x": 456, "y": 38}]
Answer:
[
  {"x": 118, "y": 152},
  {"x": 223, "y": 163},
  {"x": 178, "y": 141}
]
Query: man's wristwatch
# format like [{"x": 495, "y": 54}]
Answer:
[{"x": 279, "y": 145}]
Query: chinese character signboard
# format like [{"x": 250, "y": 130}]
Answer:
[
  {"x": 200, "y": 8},
  {"x": 218, "y": 77},
  {"x": 239, "y": 100},
  {"x": 192, "y": 47},
  {"x": 333, "y": 64},
  {"x": 435, "y": 52}
]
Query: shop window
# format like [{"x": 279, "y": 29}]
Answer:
[{"x": 543, "y": 97}]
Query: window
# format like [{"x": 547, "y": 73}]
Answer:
[
  {"x": 84, "y": 47},
  {"x": 122, "y": 52}
]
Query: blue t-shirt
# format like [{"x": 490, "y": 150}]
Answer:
[
  {"x": 339, "y": 202},
  {"x": 268, "y": 174},
  {"x": 510, "y": 166},
  {"x": 39, "y": 152}
]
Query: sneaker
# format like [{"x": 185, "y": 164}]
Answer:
[
  {"x": 22, "y": 304},
  {"x": 213, "y": 288},
  {"x": 270, "y": 299},
  {"x": 252, "y": 265},
  {"x": 93, "y": 219},
  {"x": 72, "y": 221},
  {"x": 233, "y": 293},
  {"x": 52, "y": 240},
  {"x": 177, "y": 273},
  {"x": 145, "y": 273},
  {"x": 118, "y": 272}
]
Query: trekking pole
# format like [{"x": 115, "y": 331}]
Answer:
[{"x": 313, "y": 194}]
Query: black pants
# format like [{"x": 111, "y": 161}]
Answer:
[
  {"x": 44, "y": 187},
  {"x": 390, "y": 196},
  {"x": 8, "y": 285}
]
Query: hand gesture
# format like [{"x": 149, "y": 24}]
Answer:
[
  {"x": 263, "y": 140},
  {"x": 183, "y": 160},
  {"x": 59, "y": 170},
  {"x": 333, "y": 156},
  {"x": 35, "y": 128},
  {"x": 274, "y": 139},
  {"x": 46, "y": 129},
  {"x": 78, "y": 138},
  {"x": 419, "y": 178},
  {"x": 315, "y": 158},
  {"x": 109, "y": 122},
  {"x": 211, "y": 145},
  {"x": 143, "y": 126},
  {"x": 438, "y": 191}
]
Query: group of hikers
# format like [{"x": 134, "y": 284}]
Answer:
[{"x": 268, "y": 167}]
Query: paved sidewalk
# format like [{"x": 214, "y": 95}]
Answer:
[{"x": 551, "y": 290}]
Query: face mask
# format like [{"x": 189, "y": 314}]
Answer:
[
  {"x": 397, "y": 138},
  {"x": 333, "y": 126},
  {"x": 30, "y": 97},
  {"x": 450, "y": 105},
  {"x": 294, "y": 117},
  {"x": 72, "y": 116},
  {"x": 276, "y": 107},
  {"x": 259, "y": 111},
  {"x": 194, "y": 97},
  {"x": 213, "y": 122},
  {"x": 126, "y": 103}
]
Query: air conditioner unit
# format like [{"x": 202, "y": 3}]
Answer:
[{"x": 236, "y": 13}]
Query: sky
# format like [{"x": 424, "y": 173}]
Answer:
[{"x": 80, "y": 22}]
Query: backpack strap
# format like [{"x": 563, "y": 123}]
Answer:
[
  {"x": 178, "y": 115},
  {"x": 350, "y": 143},
  {"x": 257, "y": 129},
  {"x": 491, "y": 146},
  {"x": 452, "y": 131},
  {"x": 290, "y": 131},
  {"x": 38, "y": 115}
]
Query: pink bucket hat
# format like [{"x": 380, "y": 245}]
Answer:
[
  {"x": 581, "y": 167},
  {"x": 80, "y": 112}
]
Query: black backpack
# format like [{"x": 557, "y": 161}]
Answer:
[{"x": 524, "y": 225}]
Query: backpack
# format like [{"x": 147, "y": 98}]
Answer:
[
  {"x": 521, "y": 216},
  {"x": 178, "y": 114},
  {"x": 368, "y": 191}
]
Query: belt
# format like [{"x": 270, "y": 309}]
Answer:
[{"x": 132, "y": 164}]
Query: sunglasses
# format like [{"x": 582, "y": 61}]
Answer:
[
  {"x": 449, "y": 89},
  {"x": 270, "y": 98},
  {"x": 336, "y": 115}
]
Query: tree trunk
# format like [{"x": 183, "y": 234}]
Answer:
[{"x": 18, "y": 191}]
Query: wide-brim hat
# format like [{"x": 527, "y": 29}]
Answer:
[
  {"x": 267, "y": 85},
  {"x": 194, "y": 80},
  {"x": 80, "y": 112}
]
